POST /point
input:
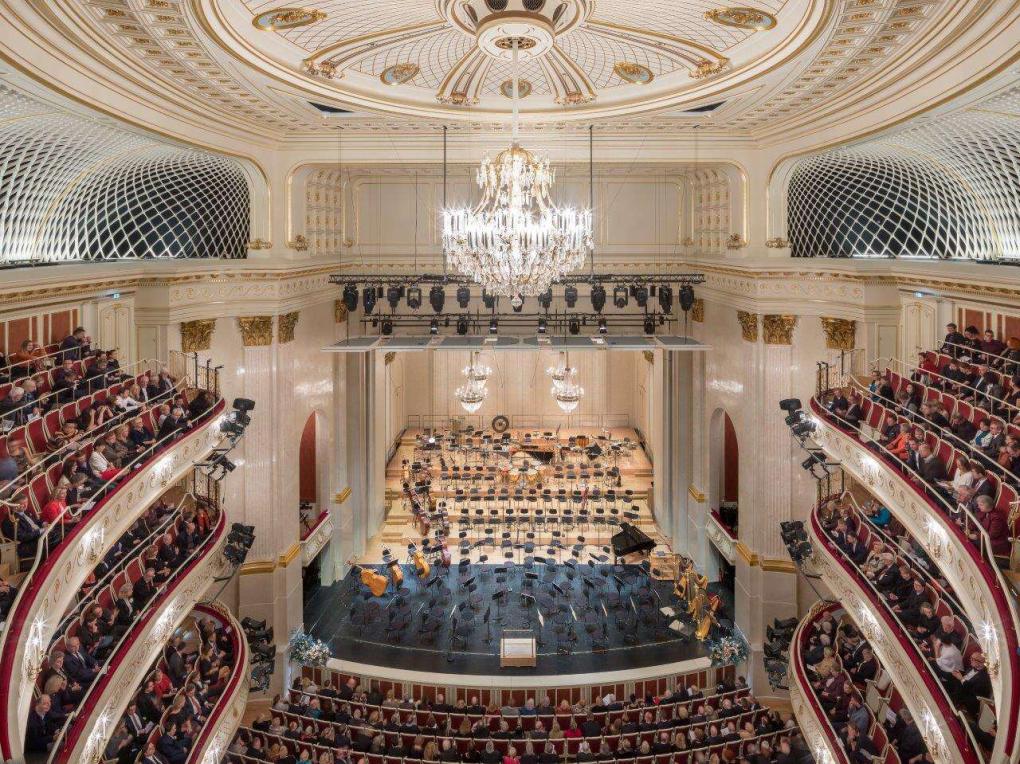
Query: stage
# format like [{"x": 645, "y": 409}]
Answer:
[{"x": 594, "y": 618}]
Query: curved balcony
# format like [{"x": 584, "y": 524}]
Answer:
[
  {"x": 59, "y": 570},
  {"x": 92, "y": 723},
  {"x": 944, "y": 730},
  {"x": 969, "y": 568},
  {"x": 212, "y": 740}
]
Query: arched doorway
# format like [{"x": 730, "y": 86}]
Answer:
[
  {"x": 724, "y": 485},
  {"x": 308, "y": 496}
]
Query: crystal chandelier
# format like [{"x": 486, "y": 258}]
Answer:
[
  {"x": 471, "y": 395},
  {"x": 560, "y": 373},
  {"x": 475, "y": 371},
  {"x": 516, "y": 242},
  {"x": 565, "y": 390}
]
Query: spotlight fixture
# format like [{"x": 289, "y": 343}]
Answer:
[
  {"x": 620, "y": 297},
  {"x": 649, "y": 324},
  {"x": 462, "y": 325},
  {"x": 802, "y": 429},
  {"x": 574, "y": 327},
  {"x": 789, "y": 405},
  {"x": 542, "y": 325},
  {"x": 437, "y": 298},
  {"x": 493, "y": 325},
  {"x": 368, "y": 299},
  {"x": 598, "y": 297},
  {"x": 243, "y": 405},
  {"x": 641, "y": 295},
  {"x": 351, "y": 297},
  {"x": 393, "y": 296},
  {"x": 545, "y": 299},
  {"x": 387, "y": 327},
  {"x": 603, "y": 329},
  {"x": 463, "y": 296},
  {"x": 666, "y": 298},
  {"x": 434, "y": 327},
  {"x": 414, "y": 298},
  {"x": 570, "y": 295},
  {"x": 686, "y": 297},
  {"x": 488, "y": 300}
]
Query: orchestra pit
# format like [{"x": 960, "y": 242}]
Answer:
[{"x": 509, "y": 382}]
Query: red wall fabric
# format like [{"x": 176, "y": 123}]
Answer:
[
  {"x": 731, "y": 462},
  {"x": 306, "y": 462}
]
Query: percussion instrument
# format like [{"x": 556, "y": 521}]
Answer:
[
  {"x": 583, "y": 441},
  {"x": 376, "y": 582}
]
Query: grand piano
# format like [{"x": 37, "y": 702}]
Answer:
[{"x": 631, "y": 540}]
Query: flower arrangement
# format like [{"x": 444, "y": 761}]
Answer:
[
  {"x": 729, "y": 650},
  {"x": 307, "y": 650}
]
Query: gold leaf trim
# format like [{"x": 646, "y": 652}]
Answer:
[
  {"x": 256, "y": 331},
  {"x": 196, "y": 336}
]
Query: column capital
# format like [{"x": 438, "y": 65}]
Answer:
[
  {"x": 778, "y": 329},
  {"x": 339, "y": 311},
  {"x": 840, "y": 333},
  {"x": 196, "y": 336},
  {"x": 748, "y": 325},
  {"x": 256, "y": 331},
  {"x": 285, "y": 326}
]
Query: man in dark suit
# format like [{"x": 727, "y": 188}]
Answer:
[
  {"x": 41, "y": 726},
  {"x": 74, "y": 345},
  {"x": 176, "y": 668},
  {"x": 996, "y": 441},
  {"x": 145, "y": 588},
  {"x": 967, "y": 686},
  {"x": 173, "y": 424},
  {"x": 929, "y": 466},
  {"x": 19, "y": 525},
  {"x": 953, "y": 341},
  {"x": 80, "y": 666},
  {"x": 909, "y": 608}
]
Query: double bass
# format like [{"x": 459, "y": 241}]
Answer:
[
  {"x": 421, "y": 565},
  {"x": 376, "y": 582},
  {"x": 396, "y": 574}
]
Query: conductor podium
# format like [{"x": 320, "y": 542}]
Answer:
[{"x": 517, "y": 649}]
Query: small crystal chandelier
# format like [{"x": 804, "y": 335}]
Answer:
[
  {"x": 475, "y": 371},
  {"x": 516, "y": 241},
  {"x": 471, "y": 395},
  {"x": 568, "y": 395},
  {"x": 560, "y": 373}
]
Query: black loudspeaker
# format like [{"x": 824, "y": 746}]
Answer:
[
  {"x": 244, "y": 404},
  {"x": 463, "y": 296},
  {"x": 598, "y": 297},
  {"x": 437, "y": 298},
  {"x": 570, "y": 296},
  {"x": 488, "y": 300},
  {"x": 393, "y": 295},
  {"x": 368, "y": 299},
  {"x": 545, "y": 299},
  {"x": 351, "y": 297},
  {"x": 789, "y": 405},
  {"x": 666, "y": 298},
  {"x": 686, "y": 297}
]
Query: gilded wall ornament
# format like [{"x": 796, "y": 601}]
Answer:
[
  {"x": 388, "y": 358},
  {"x": 706, "y": 68},
  {"x": 196, "y": 336},
  {"x": 778, "y": 329},
  {"x": 742, "y": 18},
  {"x": 260, "y": 244},
  {"x": 574, "y": 98},
  {"x": 649, "y": 356},
  {"x": 256, "y": 331},
  {"x": 523, "y": 88},
  {"x": 299, "y": 244},
  {"x": 398, "y": 74},
  {"x": 748, "y": 325},
  {"x": 688, "y": 241},
  {"x": 287, "y": 18},
  {"x": 339, "y": 311},
  {"x": 736, "y": 241},
  {"x": 698, "y": 310},
  {"x": 457, "y": 98},
  {"x": 777, "y": 243},
  {"x": 285, "y": 327},
  {"x": 840, "y": 333},
  {"x": 326, "y": 69},
  {"x": 636, "y": 74}
]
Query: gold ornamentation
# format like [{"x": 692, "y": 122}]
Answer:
[
  {"x": 339, "y": 311},
  {"x": 735, "y": 241},
  {"x": 388, "y": 358},
  {"x": 398, "y": 74},
  {"x": 698, "y": 310},
  {"x": 706, "y": 68},
  {"x": 742, "y": 18},
  {"x": 196, "y": 336},
  {"x": 457, "y": 98},
  {"x": 285, "y": 327},
  {"x": 688, "y": 242},
  {"x": 695, "y": 494},
  {"x": 260, "y": 244},
  {"x": 341, "y": 497},
  {"x": 287, "y": 18},
  {"x": 840, "y": 333},
  {"x": 256, "y": 331},
  {"x": 299, "y": 244},
  {"x": 649, "y": 356},
  {"x": 634, "y": 73},
  {"x": 748, "y": 325},
  {"x": 523, "y": 43},
  {"x": 778, "y": 329},
  {"x": 777, "y": 243},
  {"x": 326, "y": 69},
  {"x": 523, "y": 88},
  {"x": 574, "y": 98}
]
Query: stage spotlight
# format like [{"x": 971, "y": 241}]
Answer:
[
  {"x": 545, "y": 299},
  {"x": 803, "y": 428},
  {"x": 542, "y": 325},
  {"x": 387, "y": 327},
  {"x": 368, "y": 299},
  {"x": 243, "y": 404},
  {"x": 574, "y": 326},
  {"x": 603, "y": 329},
  {"x": 686, "y": 297},
  {"x": 351, "y": 297},
  {"x": 434, "y": 326},
  {"x": 794, "y": 418},
  {"x": 620, "y": 297},
  {"x": 666, "y": 298},
  {"x": 598, "y": 297},
  {"x": 811, "y": 461},
  {"x": 649, "y": 324},
  {"x": 414, "y": 298},
  {"x": 393, "y": 296},
  {"x": 437, "y": 298},
  {"x": 570, "y": 296},
  {"x": 493, "y": 325},
  {"x": 641, "y": 295},
  {"x": 462, "y": 325},
  {"x": 232, "y": 429},
  {"x": 488, "y": 300},
  {"x": 463, "y": 296},
  {"x": 789, "y": 405}
]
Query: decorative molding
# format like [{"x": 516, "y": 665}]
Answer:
[
  {"x": 341, "y": 497},
  {"x": 288, "y": 557},
  {"x": 649, "y": 356},
  {"x": 735, "y": 241},
  {"x": 339, "y": 311},
  {"x": 312, "y": 545},
  {"x": 721, "y": 540},
  {"x": 299, "y": 243},
  {"x": 745, "y": 553},
  {"x": 706, "y": 68},
  {"x": 260, "y": 244},
  {"x": 777, "y": 243},
  {"x": 770, "y": 565},
  {"x": 285, "y": 326},
  {"x": 698, "y": 310},
  {"x": 742, "y": 18},
  {"x": 253, "y": 568},
  {"x": 196, "y": 336},
  {"x": 256, "y": 331},
  {"x": 748, "y": 325},
  {"x": 287, "y": 18},
  {"x": 695, "y": 494},
  {"x": 778, "y": 329},
  {"x": 388, "y": 358},
  {"x": 840, "y": 333}
]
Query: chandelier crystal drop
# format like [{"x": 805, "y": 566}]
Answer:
[
  {"x": 516, "y": 242},
  {"x": 471, "y": 395}
]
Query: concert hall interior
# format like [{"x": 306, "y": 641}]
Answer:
[{"x": 509, "y": 381}]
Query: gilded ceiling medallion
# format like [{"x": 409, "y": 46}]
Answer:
[
  {"x": 706, "y": 68},
  {"x": 287, "y": 18},
  {"x": 523, "y": 88},
  {"x": 742, "y": 18},
  {"x": 398, "y": 74},
  {"x": 633, "y": 73}
]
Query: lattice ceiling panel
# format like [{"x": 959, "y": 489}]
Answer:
[
  {"x": 500, "y": 72},
  {"x": 949, "y": 188},
  {"x": 435, "y": 55},
  {"x": 597, "y": 54},
  {"x": 76, "y": 189}
]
